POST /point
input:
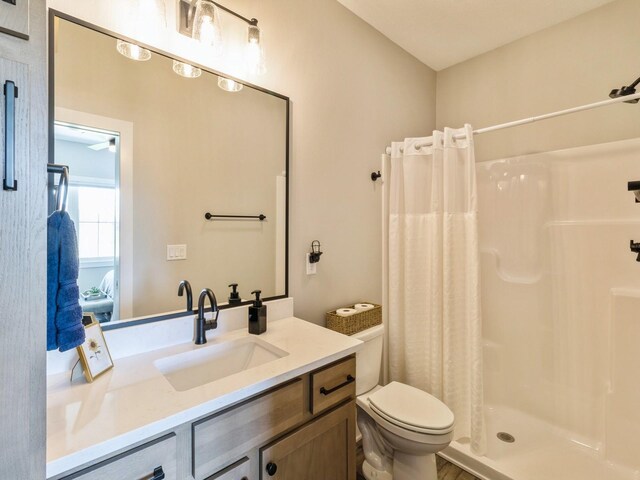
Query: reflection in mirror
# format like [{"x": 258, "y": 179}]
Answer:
[
  {"x": 150, "y": 153},
  {"x": 91, "y": 203}
]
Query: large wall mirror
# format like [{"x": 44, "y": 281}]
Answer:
[{"x": 150, "y": 153}]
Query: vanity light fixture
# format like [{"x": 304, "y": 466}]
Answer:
[
  {"x": 199, "y": 19},
  {"x": 229, "y": 85},
  {"x": 186, "y": 70},
  {"x": 133, "y": 51},
  {"x": 254, "y": 54},
  {"x": 206, "y": 24}
]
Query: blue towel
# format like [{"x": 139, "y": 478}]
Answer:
[{"x": 64, "y": 314}]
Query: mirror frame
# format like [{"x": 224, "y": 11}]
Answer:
[{"x": 53, "y": 14}]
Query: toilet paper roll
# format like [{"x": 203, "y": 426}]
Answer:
[
  {"x": 346, "y": 312},
  {"x": 361, "y": 307}
]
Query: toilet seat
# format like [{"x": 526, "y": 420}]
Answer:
[{"x": 411, "y": 409}]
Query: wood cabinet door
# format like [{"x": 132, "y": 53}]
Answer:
[
  {"x": 324, "y": 449},
  {"x": 23, "y": 242}
]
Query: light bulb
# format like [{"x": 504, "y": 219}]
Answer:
[
  {"x": 186, "y": 70},
  {"x": 229, "y": 85},
  {"x": 206, "y": 25},
  {"x": 254, "y": 54},
  {"x": 132, "y": 51}
]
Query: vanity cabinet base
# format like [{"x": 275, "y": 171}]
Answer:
[{"x": 276, "y": 428}]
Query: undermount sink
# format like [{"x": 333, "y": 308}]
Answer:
[{"x": 209, "y": 363}]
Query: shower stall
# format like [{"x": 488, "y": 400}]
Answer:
[{"x": 561, "y": 316}]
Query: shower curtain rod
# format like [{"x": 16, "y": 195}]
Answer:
[{"x": 525, "y": 121}]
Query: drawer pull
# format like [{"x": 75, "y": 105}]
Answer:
[
  {"x": 158, "y": 474},
  {"x": 10, "y": 93},
  {"x": 324, "y": 391},
  {"x": 272, "y": 468}
]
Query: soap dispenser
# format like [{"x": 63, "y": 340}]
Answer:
[
  {"x": 234, "y": 296},
  {"x": 257, "y": 315}
]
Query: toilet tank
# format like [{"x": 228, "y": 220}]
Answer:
[{"x": 369, "y": 359}]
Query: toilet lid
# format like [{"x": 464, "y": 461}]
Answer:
[{"x": 411, "y": 408}]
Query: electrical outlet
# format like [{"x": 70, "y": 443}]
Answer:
[
  {"x": 311, "y": 267},
  {"x": 176, "y": 252}
]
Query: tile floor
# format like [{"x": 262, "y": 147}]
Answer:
[{"x": 449, "y": 471}]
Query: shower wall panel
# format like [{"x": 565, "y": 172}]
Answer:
[{"x": 560, "y": 343}]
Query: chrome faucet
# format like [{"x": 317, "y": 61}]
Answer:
[
  {"x": 202, "y": 324},
  {"x": 185, "y": 285}
]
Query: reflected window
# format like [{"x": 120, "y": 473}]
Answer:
[{"x": 96, "y": 223}]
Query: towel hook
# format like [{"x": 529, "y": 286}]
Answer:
[{"x": 61, "y": 196}]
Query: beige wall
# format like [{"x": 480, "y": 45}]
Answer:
[
  {"x": 571, "y": 64},
  {"x": 352, "y": 91},
  {"x": 196, "y": 148}
]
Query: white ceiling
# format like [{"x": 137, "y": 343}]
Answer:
[
  {"x": 80, "y": 135},
  {"x": 441, "y": 33}
]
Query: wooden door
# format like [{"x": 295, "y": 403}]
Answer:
[
  {"x": 23, "y": 291},
  {"x": 324, "y": 449}
]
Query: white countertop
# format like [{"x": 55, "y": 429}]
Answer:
[{"x": 134, "y": 401}]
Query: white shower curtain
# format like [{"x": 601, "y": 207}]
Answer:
[{"x": 434, "y": 317}]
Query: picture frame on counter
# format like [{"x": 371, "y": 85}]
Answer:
[{"x": 94, "y": 352}]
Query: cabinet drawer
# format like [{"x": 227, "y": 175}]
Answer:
[
  {"x": 224, "y": 437},
  {"x": 238, "y": 471},
  {"x": 136, "y": 464},
  {"x": 333, "y": 384}
]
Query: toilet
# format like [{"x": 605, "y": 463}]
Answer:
[{"x": 402, "y": 427}]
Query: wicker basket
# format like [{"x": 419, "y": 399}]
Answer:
[{"x": 354, "y": 323}]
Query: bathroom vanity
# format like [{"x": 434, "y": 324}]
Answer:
[{"x": 289, "y": 415}]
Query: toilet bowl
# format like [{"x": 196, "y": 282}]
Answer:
[{"x": 402, "y": 427}]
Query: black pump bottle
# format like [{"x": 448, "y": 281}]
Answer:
[
  {"x": 234, "y": 296},
  {"x": 257, "y": 315}
]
